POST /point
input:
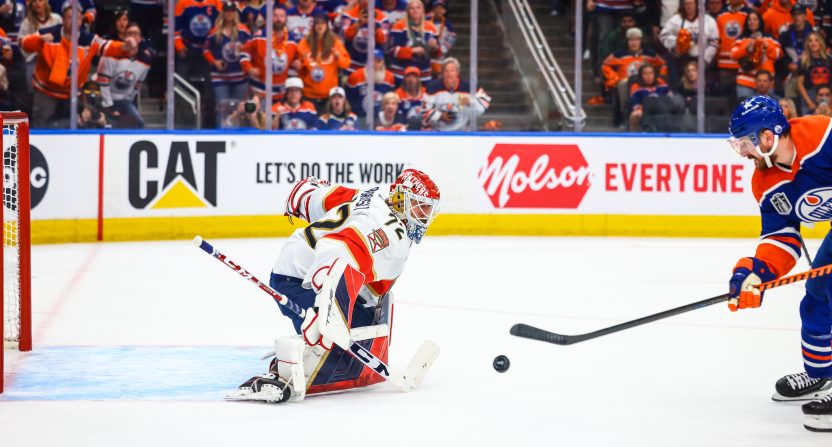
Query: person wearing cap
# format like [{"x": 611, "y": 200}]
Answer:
[
  {"x": 445, "y": 34},
  {"x": 224, "y": 52},
  {"x": 621, "y": 65},
  {"x": 357, "y": 86},
  {"x": 337, "y": 113},
  {"x": 284, "y": 57},
  {"x": 778, "y": 17},
  {"x": 389, "y": 119},
  {"x": 294, "y": 113},
  {"x": 413, "y": 42},
  {"x": 51, "y": 80},
  {"x": 300, "y": 18},
  {"x": 412, "y": 98},
  {"x": 356, "y": 32},
  {"x": 323, "y": 56},
  {"x": 793, "y": 42}
]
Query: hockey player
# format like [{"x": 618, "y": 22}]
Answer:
[
  {"x": 792, "y": 184},
  {"x": 369, "y": 230}
]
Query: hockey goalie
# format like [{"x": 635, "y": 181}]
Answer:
[{"x": 340, "y": 269}]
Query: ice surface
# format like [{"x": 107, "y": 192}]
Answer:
[{"x": 136, "y": 343}]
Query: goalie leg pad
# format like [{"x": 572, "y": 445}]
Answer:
[{"x": 293, "y": 289}]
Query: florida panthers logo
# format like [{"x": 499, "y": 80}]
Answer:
[
  {"x": 200, "y": 25},
  {"x": 231, "y": 51},
  {"x": 733, "y": 29},
  {"x": 815, "y": 205},
  {"x": 124, "y": 81}
]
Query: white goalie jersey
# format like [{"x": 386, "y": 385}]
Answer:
[{"x": 355, "y": 225}]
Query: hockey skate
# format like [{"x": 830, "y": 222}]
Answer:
[
  {"x": 800, "y": 387},
  {"x": 818, "y": 414},
  {"x": 264, "y": 388}
]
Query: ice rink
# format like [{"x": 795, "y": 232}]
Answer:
[{"x": 137, "y": 343}]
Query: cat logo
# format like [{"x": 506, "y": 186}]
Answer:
[
  {"x": 179, "y": 188},
  {"x": 378, "y": 240}
]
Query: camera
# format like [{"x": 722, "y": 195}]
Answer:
[
  {"x": 250, "y": 107},
  {"x": 94, "y": 102}
]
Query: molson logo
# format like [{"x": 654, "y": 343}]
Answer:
[
  {"x": 535, "y": 176},
  {"x": 815, "y": 205}
]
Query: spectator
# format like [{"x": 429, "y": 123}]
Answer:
[
  {"x": 150, "y": 15},
  {"x": 253, "y": 14},
  {"x": 413, "y": 42},
  {"x": 356, "y": 32},
  {"x": 194, "y": 21},
  {"x": 39, "y": 15},
  {"x": 248, "y": 114},
  {"x": 323, "y": 56},
  {"x": 90, "y": 111},
  {"x": 300, "y": 18},
  {"x": 448, "y": 102},
  {"x": 395, "y": 10},
  {"x": 714, "y": 8},
  {"x": 118, "y": 29},
  {"x": 357, "y": 86},
  {"x": 793, "y": 40},
  {"x": 120, "y": 79},
  {"x": 337, "y": 114},
  {"x": 730, "y": 24},
  {"x": 755, "y": 50},
  {"x": 224, "y": 52},
  {"x": 647, "y": 85},
  {"x": 619, "y": 67},
  {"x": 285, "y": 60},
  {"x": 778, "y": 17},
  {"x": 789, "y": 109},
  {"x": 333, "y": 7},
  {"x": 823, "y": 97},
  {"x": 51, "y": 79},
  {"x": 88, "y": 12},
  {"x": 445, "y": 34},
  {"x": 602, "y": 19},
  {"x": 412, "y": 96},
  {"x": 294, "y": 113},
  {"x": 688, "y": 87},
  {"x": 389, "y": 119},
  {"x": 814, "y": 71},
  {"x": 677, "y": 37},
  {"x": 616, "y": 40},
  {"x": 12, "y": 15},
  {"x": 764, "y": 83}
]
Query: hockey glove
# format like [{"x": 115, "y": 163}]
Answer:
[
  {"x": 311, "y": 332},
  {"x": 297, "y": 204},
  {"x": 748, "y": 273}
]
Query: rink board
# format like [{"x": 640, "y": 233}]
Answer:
[{"x": 128, "y": 186}]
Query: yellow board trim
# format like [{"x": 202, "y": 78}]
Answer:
[{"x": 160, "y": 228}]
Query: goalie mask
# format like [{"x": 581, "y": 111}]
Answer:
[{"x": 414, "y": 199}]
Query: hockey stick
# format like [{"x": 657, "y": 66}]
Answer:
[
  {"x": 526, "y": 331},
  {"x": 416, "y": 369}
]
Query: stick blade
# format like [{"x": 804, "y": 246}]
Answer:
[
  {"x": 533, "y": 333},
  {"x": 420, "y": 364}
]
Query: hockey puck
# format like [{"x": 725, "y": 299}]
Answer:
[{"x": 501, "y": 363}]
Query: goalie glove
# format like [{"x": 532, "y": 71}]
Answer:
[
  {"x": 311, "y": 332},
  {"x": 748, "y": 273},
  {"x": 297, "y": 204}
]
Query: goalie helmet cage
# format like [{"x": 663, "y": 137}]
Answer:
[{"x": 16, "y": 312}]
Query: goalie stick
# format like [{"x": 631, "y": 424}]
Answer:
[
  {"x": 527, "y": 331},
  {"x": 407, "y": 381}
]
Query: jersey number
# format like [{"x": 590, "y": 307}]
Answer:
[{"x": 343, "y": 214}]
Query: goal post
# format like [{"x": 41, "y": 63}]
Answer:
[{"x": 16, "y": 311}]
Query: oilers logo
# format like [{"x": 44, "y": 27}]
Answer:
[
  {"x": 290, "y": 123},
  {"x": 231, "y": 51},
  {"x": 124, "y": 81},
  {"x": 317, "y": 74},
  {"x": 200, "y": 25},
  {"x": 279, "y": 62},
  {"x": 632, "y": 69},
  {"x": 815, "y": 205},
  {"x": 733, "y": 29},
  {"x": 361, "y": 40}
]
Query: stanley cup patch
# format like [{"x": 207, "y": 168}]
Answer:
[{"x": 781, "y": 204}]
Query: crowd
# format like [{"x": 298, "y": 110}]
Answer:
[
  {"x": 644, "y": 55},
  {"x": 318, "y": 57}
]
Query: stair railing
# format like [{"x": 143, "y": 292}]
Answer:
[
  {"x": 190, "y": 95},
  {"x": 539, "y": 65}
]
